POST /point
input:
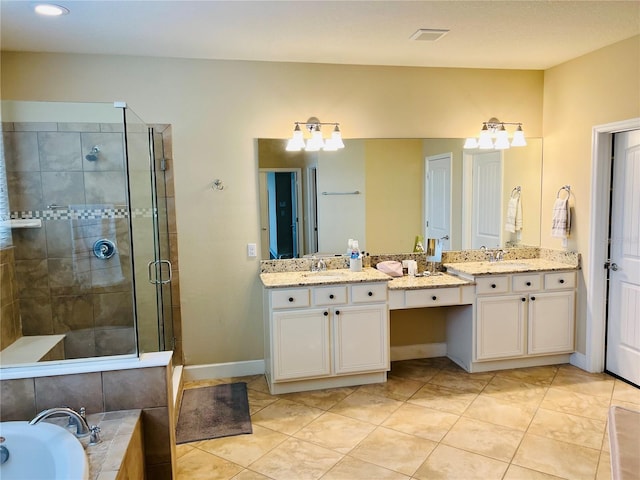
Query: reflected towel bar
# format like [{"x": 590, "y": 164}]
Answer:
[{"x": 356, "y": 192}]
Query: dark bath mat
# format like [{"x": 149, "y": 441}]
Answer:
[{"x": 213, "y": 412}]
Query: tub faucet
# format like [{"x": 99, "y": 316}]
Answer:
[{"x": 82, "y": 429}]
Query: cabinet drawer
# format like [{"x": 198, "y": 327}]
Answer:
[
  {"x": 526, "y": 283},
  {"x": 432, "y": 297},
  {"x": 492, "y": 284},
  {"x": 290, "y": 298},
  {"x": 560, "y": 280},
  {"x": 370, "y": 292},
  {"x": 333, "y": 295}
]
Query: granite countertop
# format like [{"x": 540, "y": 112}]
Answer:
[
  {"x": 327, "y": 277},
  {"x": 431, "y": 281},
  {"x": 473, "y": 269}
]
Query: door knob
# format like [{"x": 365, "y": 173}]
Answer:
[{"x": 614, "y": 267}]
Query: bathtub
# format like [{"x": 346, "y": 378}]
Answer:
[{"x": 42, "y": 452}]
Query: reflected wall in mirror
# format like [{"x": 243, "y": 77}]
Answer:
[{"x": 377, "y": 191}]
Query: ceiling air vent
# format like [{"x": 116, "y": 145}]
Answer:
[{"x": 429, "y": 34}]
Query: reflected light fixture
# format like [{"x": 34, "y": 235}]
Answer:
[
  {"x": 50, "y": 10},
  {"x": 494, "y": 135},
  {"x": 316, "y": 142}
]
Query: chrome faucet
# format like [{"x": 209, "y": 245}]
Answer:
[
  {"x": 493, "y": 255},
  {"x": 322, "y": 265},
  {"x": 82, "y": 428}
]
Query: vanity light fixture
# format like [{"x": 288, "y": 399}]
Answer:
[
  {"x": 316, "y": 142},
  {"x": 495, "y": 136},
  {"x": 50, "y": 10}
]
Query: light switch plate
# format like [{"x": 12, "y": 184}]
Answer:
[{"x": 252, "y": 250}]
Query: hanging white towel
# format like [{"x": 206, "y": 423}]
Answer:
[
  {"x": 513, "y": 222},
  {"x": 561, "y": 224}
]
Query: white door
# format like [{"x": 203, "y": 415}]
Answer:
[
  {"x": 437, "y": 197},
  {"x": 623, "y": 327},
  {"x": 486, "y": 223}
]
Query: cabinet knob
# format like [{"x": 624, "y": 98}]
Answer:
[
  {"x": 325, "y": 313},
  {"x": 561, "y": 280},
  {"x": 337, "y": 312},
  {"x": 523, "y": 299},
  {"x": 528, "y": 284},
  {"x": 434, "y": 298},
  {"x": 370, "y": 294},
  {"x": 493, "y": 285},
  {"x": 331, "y": 296},
  {"x": 533, "y": 299},
  {"x": 291, "y": 299}
]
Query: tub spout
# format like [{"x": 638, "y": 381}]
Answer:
[{"x": 82, "y": 429}]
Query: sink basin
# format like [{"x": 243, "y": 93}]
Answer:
[
  {"x": 326, "y": 275},
  {"x": 507, "y": 265}
]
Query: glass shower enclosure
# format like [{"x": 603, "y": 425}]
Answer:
[{"x": 84, "y": 242}]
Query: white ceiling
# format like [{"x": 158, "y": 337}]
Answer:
[{"x": 515, "y": 34}]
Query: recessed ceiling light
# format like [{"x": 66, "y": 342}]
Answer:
[
  {"x": 50, "y": 10},
  {"x": 429, "y": 34}
]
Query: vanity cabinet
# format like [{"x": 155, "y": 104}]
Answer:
[
  {"x": 524, "y": 315},
  {"x": 326, "y": 336}
]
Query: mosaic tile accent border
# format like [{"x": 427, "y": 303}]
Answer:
[{"x": 82, "y": 213}]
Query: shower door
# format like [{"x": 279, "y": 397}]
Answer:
[{"x": 150, "y": 240}]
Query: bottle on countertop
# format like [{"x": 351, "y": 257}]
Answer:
[{"x": 355, "y": 260}]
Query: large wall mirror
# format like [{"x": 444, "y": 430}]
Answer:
[{"x": 385, "y": 192}]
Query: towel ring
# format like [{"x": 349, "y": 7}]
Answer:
[
  {"x": 567, "y": 188},
  {"x": 516, "y": 190}
]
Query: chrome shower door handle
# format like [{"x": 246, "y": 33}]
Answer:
[
  {"x": 168, "y": 263},
  {"x": 155, "y": 263},
  {"x": 152, "y": 281}
]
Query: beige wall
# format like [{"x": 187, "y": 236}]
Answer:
[
  {"x": 218, "y": 108},
  {"x": 598, "y": 88},
  {"x": 394, "y": 194}
]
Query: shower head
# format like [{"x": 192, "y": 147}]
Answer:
[{"x": 92, "y": 156}]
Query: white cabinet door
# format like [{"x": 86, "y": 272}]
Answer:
[
  {"x": 301, "y": 344},
  {"x": 551, "y": 322},
  {"x": 500, "y": 327},
  {"x": 361, "y": 338}
]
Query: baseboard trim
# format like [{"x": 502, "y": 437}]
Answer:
[
  {"x": 423, "y": 350},
  {"x": 223, "y": 370},
  {"x": 579, "y": 360}
]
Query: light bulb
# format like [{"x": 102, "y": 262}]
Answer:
[
  {"x": 50, "y": 10},
  {"x": 470, "y": 143},
  {"x": 485, "y": 142},
  {"x": 296, "y": 142},
  {"x": 502, "y": 139},
  {"x": 518, "y": 138}
]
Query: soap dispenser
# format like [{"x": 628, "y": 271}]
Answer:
[{"x": 355, "y": 261}]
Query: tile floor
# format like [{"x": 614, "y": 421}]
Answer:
[{"x": 431, "y": 420}]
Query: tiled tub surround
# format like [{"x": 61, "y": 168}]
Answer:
[
  {"x": 103, "y": 387},
  {"x": 120, "y": 454}
]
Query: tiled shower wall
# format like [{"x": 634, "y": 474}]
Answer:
[
  {"x": 61, "y": 286},
  {"x": 10, "y": 328}
]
